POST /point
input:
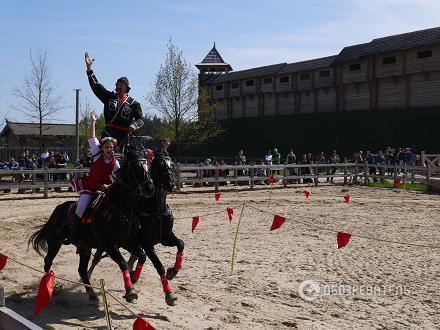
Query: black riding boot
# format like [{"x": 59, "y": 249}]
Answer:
[{"x": 73, "y": 224}]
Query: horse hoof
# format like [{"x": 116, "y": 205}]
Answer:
[
  {"x": 171, "y": 273},
  {"x": 170, "y": 299},
  {"x": 131, "y": 295}
]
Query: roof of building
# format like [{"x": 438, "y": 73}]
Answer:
[
  {"x": 389, "y": 44},
  {"x": 213, "y": 60},
  {"x": 315, "y": 64},
  {"x": 213, "y": 56},
  {"x": 250, "y": 73},
  {"x": 32, "y": 129}
]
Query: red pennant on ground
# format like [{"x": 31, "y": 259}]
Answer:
[
  {"x": 141, "y": 324},
  {"x": 217, "y": 196},
  {"x": 45, "y": 291},
  {"x": 343, "y": 239},
  {"x": 347, "y": 198},
  {"x": 397, "y": 183},
  {"x": 271, "y": 179},
  {"x": 277, "y": 222},
  {"x": 307, "y": 193},
  {"x": 195, "y": 223},
  {"x": 3, "y": 260},
  {"x": 230, "y": 213}
]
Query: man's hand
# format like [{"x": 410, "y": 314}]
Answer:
[
  {"x": 93, "y": 116},
  {"x": 89, "y": 61}
]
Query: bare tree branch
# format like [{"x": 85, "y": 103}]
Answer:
[{"x": 36, "y": 97}]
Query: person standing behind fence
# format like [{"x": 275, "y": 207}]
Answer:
[
  {"x": 291, "y": 160},
  {"x": 276, "y": 159},
  {"x": 334, "y": 159}
]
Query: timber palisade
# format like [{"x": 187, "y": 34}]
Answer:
[{"x": 399, "y": 72}]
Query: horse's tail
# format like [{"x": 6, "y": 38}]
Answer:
[{"x": 39, "y": 238}]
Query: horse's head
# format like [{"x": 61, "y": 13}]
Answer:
[
  {"x": 162, "y": 172},
  {"x": 134, "y": 175}
]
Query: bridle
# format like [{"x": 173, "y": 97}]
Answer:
[{"x": 134, "y": 182}]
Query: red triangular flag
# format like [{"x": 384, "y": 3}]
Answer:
[
  {"x": 347, "y": 198},
  {"x": 230, "y": 213},
  {"x": 343, "y": 239},
  {"x": 307, "y": 193},
  {"x": 141, "y": 324},
  {"x": 217, "y": 196},
  {"x": 277, "y": 222},
  {"x": 3, "y": 260},
  {"x": 271, "y": 179},
  {"x": 45, "y": 291},
  {"x": 195, "y": 223},
  {"x": 397, "y": 183}
]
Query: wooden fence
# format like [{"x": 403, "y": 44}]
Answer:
[
  {"x": 342, "y": 172},
  {"x": 39, "y": 179},
  {"x": 248, "y": 175}
]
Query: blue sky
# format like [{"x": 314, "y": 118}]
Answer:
[{"x": 128, "y": 38}]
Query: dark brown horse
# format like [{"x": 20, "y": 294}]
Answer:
[
  {"x": 112, "y": 225},
  {"x": 156, "y": 226}
]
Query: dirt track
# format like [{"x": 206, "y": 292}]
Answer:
[{"x": 263, "y": 292}]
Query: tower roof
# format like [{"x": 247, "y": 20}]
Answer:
[{"x": 213, "y": 62}]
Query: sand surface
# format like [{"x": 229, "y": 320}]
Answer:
[{"x": 270, "y": 266}]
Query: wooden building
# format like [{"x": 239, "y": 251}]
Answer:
[
  {"x": 26, "y": 136},
  {"x": 400, "y": 72}
]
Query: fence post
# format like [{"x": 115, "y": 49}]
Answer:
[
  {"x": 345, "y": 171},
  {"x": 46, "y": 184},
  {"x": 422, "y": 158},
  {"x": 316, "y": 174},
  {"x": 216, "y": 178},
  {"x": 251, "y": 169},
  {"x": 284, "y": 178},
  {"x": 34, "y": 182},
  {"x": 235, "y": 176},
  {"x": 366, "y": 173},
  {"x": 428, "y": 174},
  {"x": 395, "y": 174},
  {"x": 178, "y": 176},
  {"x": 356, "y": 172}
]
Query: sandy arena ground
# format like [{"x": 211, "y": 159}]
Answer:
[{"x": 263, "y": 291}]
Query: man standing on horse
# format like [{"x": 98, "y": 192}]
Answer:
[{"x": 122, "y": 113}]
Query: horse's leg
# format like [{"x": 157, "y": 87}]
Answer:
[
  {"x": 52, "y": 250},
  {"x": 130, "y": 294},
  {"x": 131, "y": 261},
  {"x": 139, "y": 255},
  {"x": 172, "y": 240},
  {"x": 170, "y": 298},
  {"x": 84, "y": 259},
  {"x": 96, "y": 259}
]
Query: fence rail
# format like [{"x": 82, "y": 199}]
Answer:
[
  {"x": 39, "y": 179},
  {"x": 250, "y": 175}
]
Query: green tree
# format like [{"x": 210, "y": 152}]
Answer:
[{"x": 175, "y": 95}]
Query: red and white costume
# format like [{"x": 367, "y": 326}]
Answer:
[{"x": 102, "y": 171}]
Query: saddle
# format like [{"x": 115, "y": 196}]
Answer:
[{"x": 96, "y": 202}]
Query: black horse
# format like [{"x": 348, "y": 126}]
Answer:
[
  {"x": 156, "y": 224},
  {"x": 112, "y": 224}
]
